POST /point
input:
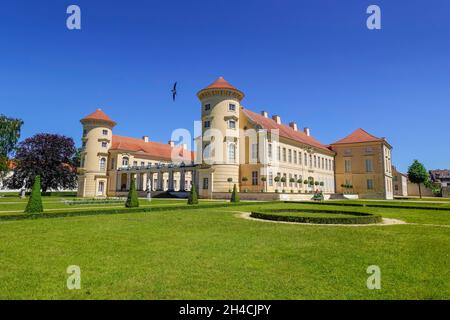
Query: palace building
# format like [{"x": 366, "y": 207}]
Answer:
[{"x": 264, "y": 157}]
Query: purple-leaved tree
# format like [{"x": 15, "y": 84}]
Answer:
[{"x": 51, "y": 156}]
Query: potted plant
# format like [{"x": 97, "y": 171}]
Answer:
[
  {"x": 263, "y": 179},
  {"x": 229, "y": 180}
]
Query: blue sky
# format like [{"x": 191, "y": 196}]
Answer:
[{"x": 314, "y": 62}]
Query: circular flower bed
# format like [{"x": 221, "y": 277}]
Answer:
[{"x": 317, "y": 216}]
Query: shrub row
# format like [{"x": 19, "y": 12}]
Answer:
[
  {"x": 370, "y": 205},
  {"x": 121, "y": 211},
  {"x": 358, "y": 217}
]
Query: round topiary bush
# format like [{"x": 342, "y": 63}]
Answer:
[{"x": 317, "y": 216}]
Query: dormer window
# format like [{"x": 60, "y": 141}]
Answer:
[
  {"x": 105, "y": 132},
  {"x": 231, "y": 107}
]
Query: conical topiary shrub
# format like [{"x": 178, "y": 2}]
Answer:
[
  {"x": 132, "y": 200},
  {"x": 193, "y": 198},
  {"x": 34, "y": 205},
  {"x": 235, "y": 195}
]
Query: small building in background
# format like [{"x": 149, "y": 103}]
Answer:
[
  {"x": 400, "y": 181},
  {"x": 441, "y": 177},
  {"x": 363, "y": 162}
]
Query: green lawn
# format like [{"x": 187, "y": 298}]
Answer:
[{"x": 213, "y": 254}]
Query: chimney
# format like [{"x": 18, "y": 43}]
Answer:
[
  {"x": 264, "y": 114},
  {"x": 277, "y": 119},
  {"x": 145, "y": 138},
  {"x": 307, "y": 131},
  {"x": 172, "y": 143},
  {"x": 293, "y": 125}
]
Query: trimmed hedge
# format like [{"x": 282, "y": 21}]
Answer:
[
  {"x": 132, "y": 199},
  {"x": 369, "y": 205},
  {"x": 358, "y": 217},
  {"x": 91, "y": 212},
  {"x": 34, "y": 205}
]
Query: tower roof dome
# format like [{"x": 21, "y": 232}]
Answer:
[
  {"x": 221, "y": 84},
  {"x": 99, "y": 115}
]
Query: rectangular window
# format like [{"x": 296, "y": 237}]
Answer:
[
  {"x": 315, "y": 162},
  {"x": 323, "y": 163},
  {"x": 310, "y": 160},
  {"x": 348, "y": 152},
  {"x": 207, "y": 107},
  {"x": 279, "y": 154},
  {"x": 290, "y": 155},
  {"x": 231, "y": 107},
  {"x": 369, "y": 184},
  {"x": 284, "y": 154},
  {"x": 269, "y": 150},
  {"x": 254, "y": 151},
  {"x": 290, "y": 179},
  {"x": 306, "y": 159},
  {"x": 113, "y": 163},
  {"x": 285, "y": 179},
  {"x": 369, "y": 165},
  {"x": 348, "y": 165},
  {"x": 207, "y": 124},
  {"x": 270, "y": 179},
  {"x": 205, "y": 183},
  {"x": 104, "y": 144},
  {"x": 231, "y": 124},
  {"x": 105, "y": 132},
  {"x": 295, "y": 157},
  {"x": 254, "y": 178},
  {"x": 142, "y": 164}
]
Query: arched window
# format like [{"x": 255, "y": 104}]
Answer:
[
  {"x": 125, "y": 161},
  {"x": 232, "y": 152},
  {"x": 102, "y": 164}
]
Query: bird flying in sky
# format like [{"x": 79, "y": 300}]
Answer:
[{"x": 174, "y": 91}]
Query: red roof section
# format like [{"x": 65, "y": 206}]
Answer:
[
  {"x": 220, "y": 83},
  {"x": 152, "y": 149},
  {"x": 284, "y": 131},
  {"x": 99, "y": 115},
  {"x": 358, "y": 136}
]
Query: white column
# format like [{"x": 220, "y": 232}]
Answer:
[
  {"x": 170, "y": 186},
  {"x": 182, "y": 180}
]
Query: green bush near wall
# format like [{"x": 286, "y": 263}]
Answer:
[{"x": 132, "y": 200}]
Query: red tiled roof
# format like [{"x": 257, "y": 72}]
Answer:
[
  {"x": 99, "y": 115},
  {"x": 220, "y": 83},
  {"x": 357, "y": 136},
  {"x": 152, "y": 149},
  {"x": 284, "y": 131}
]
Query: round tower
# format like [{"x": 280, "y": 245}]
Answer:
[
  {"x": 221, "y": 108},
  {"x": 97, "y": 139}
]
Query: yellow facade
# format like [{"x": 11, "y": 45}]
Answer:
[
  {"x": 256, "y": 152},
  {"x": 365, "y": 168}
]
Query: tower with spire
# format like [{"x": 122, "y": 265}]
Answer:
[
  {"x": 220, "y": 112},
  {"x": 96, "y": 142}
]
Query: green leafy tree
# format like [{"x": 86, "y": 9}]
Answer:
[
  {"x": 418, "y": 174},
  {"x": 235, "y": 195},
  {"x": 132, "y": 199},
  {"x": 193, "y": 198},
  {"x": 9, "y": 135},
  {"x": 34, "y": 205}
]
